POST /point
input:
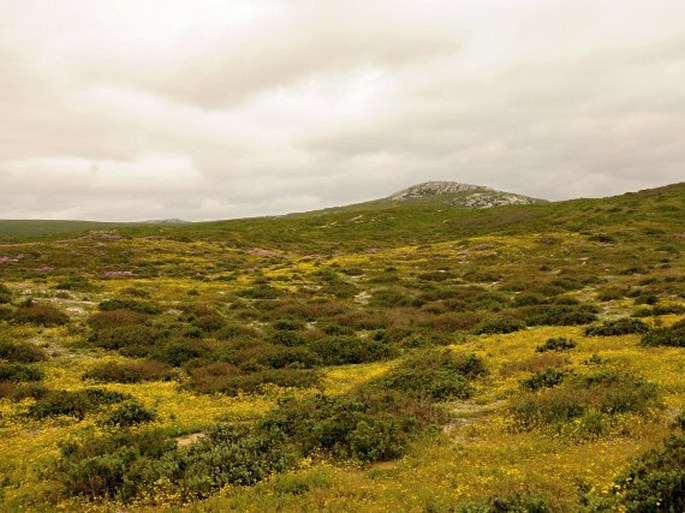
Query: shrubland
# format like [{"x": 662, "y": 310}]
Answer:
[{"x": 403, "y": 358}]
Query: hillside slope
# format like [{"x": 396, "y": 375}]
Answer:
[{"x": 408, "y": 358}]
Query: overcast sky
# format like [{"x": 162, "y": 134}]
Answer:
[{"x": 200, "y": 109}]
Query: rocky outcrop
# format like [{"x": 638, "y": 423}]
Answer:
[{"x": 462, "y": 195}]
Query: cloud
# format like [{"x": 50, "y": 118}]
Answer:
[{"x": 211, "y": 109}]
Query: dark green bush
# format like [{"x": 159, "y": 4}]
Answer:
[
  {"x": 228, "y": 379},
  {"x": 118, "y": 466},
  {"x": 21, "y": 352},
  {"x": 559, "y": 315},
  {"x": 345, "y": 350},
  {"x": 514, "y": 503},
  {"x": 556, "y": 344},
  {"x": 115, "y": 319},
  {"x": 438, "y": 375},
  {"x": 498, "y": 324},
  {"x": 75, "y": 404},
  {"x": 288, "y": 324},
  {"x": 288, "y": 338},
  {"x": 659, "y": 310},
  {"x": 656, "y": 482},
  {"x": 5, "y": 313},
  {"x": 128, "y": 372},
  {"x": 646, "y": 299},
  {"x": 672, "y": 336},
  {"x": 611, "y": 293},
  {"x": 482, "y": 276},
  {"x": 292, "y": 357},
  {"x": 41, "y": 315},
  {"x": 78, "y": 283},
  {"x": 19, "y": 372},
  {"x": 231, "y": 330},
  {"x": 230, "y": 455},
  {"x": 260, "y": 292},
  {"x": 393, "y": 298},
  {"x": 129, "y": 413},
  {"x": 591, "y": 398},
  {"x": 624, "y": 326},
  {"x": 5, "y": 294},
  {"x": 366, "y": 426},
  {"x": 546, "y": 378},
  {"x": 21, "y": 391},
  {"x": 179, "y": 352},
  {"x": 129, "y": 304},
  {"x": 136, "y": 340},
  {"x": 125, "y": 464},
  {"x": 528, "y": 299}
]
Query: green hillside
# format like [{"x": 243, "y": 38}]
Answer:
[
  {"x": 16, "y": 230},
  {"x": 393, "y": 356}
]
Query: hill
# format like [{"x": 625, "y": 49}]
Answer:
[
  {"x": 409, "y": 357},
  {"x": 457, "y": 194}
]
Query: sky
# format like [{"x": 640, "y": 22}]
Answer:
[{"x": 212, "y": 109}]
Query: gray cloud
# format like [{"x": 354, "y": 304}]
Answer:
[{"x": 212, "y": 109}]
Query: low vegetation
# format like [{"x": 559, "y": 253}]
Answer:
[{"x": 405, "y": 357}]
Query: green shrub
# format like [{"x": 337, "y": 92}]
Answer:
[
  {"x": 136, "y": 340},
  {"x": 288, "y": 324},
  {"x": 288, "y": 338},
  {"x": 78, "y": 283},
  {"x": 128, "y": 372},
  {"x": 21, "y": 391},
  {"x": 230, "y": 455},
  {"x": 41, "y": 315},
  {"x": 129, "y": 414},
  {"x": 124, "y": 465},
  {"x": 365, "y": 426},
  {"x": 656, "y": 482},
  {"x": 590, "y": 398},
  {"x": 260, "y": 292},
  {"x": 556, "y": 344},
  {"x": 624, "y": 326},
  {"x": 498, "y": 324},
  {"x": 482, "y": 276},
  {"x": 546, "y": 378},
  {"x": 646, "y": 299},
  {"x": 611, "y": 293},
  {"x": 230, "y": 331},
  {"x": 5, "y": 294},
  {"x": 393, "y": 298},
  {"x": 129, "y": 304},
  {"x": 228, "y": 379},
  {"x": 345, "y": 350},
  {"x": 179, "y": 352},
  {"x": 659, "y": 310},
  {"x": 115, "y": 319},
  {"x": 21, "y": 352},
  {"x": 438, "y": 375},
  {"x": 75, "y": 404},
  {"x": 19, "y": 372},
  {"x": 117, "y": 466},
  {"x": 559, "y": 315},
  {"x": 513, "y": 503},
  {"x": 292, "y": 357},
  {"x": 672, "y": 336},
  {"x": 528, "y": 299},
  {"x": 6, "y": 313}
]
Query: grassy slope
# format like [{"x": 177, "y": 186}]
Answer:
[{"x": 631, "y": 243}]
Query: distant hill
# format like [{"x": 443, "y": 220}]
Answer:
[
  {"x": 415, "y": 215},
  {"x": 461, "y": 195}
]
